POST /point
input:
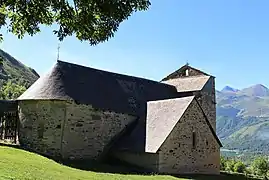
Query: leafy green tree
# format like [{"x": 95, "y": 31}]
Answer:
[
  {"x": 239, "y": 167},
  {"x": 89, "y": 20},
  {"x": 223, "y": 162},
  {"x": 11, "y": 90},
  {"x": 230, "y": 165},
  {"x": 260, "y": 166}
]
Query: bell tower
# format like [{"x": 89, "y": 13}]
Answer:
[{"x": 189, "y": 80}]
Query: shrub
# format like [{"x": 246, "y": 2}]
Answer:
[
  {"x": 223, "y": 162},
  {"x": 11, "y": 91},
  {"x": 230, "y": 165},
  {"x": 239, "y": 167},
  {"x": 260, "y": 166}
]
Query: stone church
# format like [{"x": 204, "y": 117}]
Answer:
[{"x": 76, "y": 112}]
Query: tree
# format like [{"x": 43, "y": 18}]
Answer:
[
  {"x": 223, "y": 162},
  {"x": 89, "y": 20},
  {"x": 239, "y": 167},
  {"x": 230, "y": 165},
  {"x": 11, "y": 91},
  {"x": 260, "y": 166}
]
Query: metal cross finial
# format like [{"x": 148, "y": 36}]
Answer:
[
  {"x": 187, "y": 63},
  {"x": 58, "y": 53}
]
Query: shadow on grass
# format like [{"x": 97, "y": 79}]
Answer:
[
  {"x": 10, "y": 145},
  {"x": 115, "y": 166},
  {"x": 222, "y": 176}
]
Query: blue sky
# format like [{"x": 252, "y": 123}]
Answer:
[{"x": 228, "y": 39}]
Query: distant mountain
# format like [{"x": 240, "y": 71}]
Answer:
[
  {"x": 229, "y": 89},
  {"x": 256, "y": 90},
  {"x": 243, "y": 118},
  {"x": 14, "y": 70}
]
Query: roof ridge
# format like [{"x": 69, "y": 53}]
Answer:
[
  {"x": 106, "y": 71},
  {"x": 170, "y": 76},
  {"x": 171, "y": 99}
]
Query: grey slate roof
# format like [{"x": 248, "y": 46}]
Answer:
[
  {"x": 162, "y": 116},
  {"x": 102, "y": 89},
  {"x": 191, "y": 83}
]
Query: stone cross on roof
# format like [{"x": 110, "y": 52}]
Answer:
[{"x": 187, "y": 63}]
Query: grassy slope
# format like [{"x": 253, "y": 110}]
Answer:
[{"x": 21, "y": 165}]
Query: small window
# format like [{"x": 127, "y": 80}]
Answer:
[
  {"x": 187, "y": 72},
  {"x": 40, "y": 130},
  {"x": 193, "y": 140}
]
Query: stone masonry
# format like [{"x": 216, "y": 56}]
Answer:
[
  {"x": 207, "y": 100},
  {"x": 179, "y": 154},
  {"x": 68, "y": 130},
  {"x": 41, "y": 126},
  {"x": 88, "y": 131}
]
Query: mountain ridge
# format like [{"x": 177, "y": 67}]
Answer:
[
  {"x": 243, "y": 118},
  {"x": 229, "y": 89}
]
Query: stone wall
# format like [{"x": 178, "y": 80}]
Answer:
[
  {"x": 88, "y": 131},
  {"x": 40, "y": 126},
  {"x": 68, "y": 130},
  {"x": 178, "y": 155},
  {"x": 207, "y": 100}
]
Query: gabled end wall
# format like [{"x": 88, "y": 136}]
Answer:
[{"x": 178, "y": 155}]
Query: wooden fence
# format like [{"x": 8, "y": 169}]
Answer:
[{"x": 9, "y": 121}]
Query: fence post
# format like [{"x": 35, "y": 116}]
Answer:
[
  {"x": 1, "y": 127},
  {"x": 15, "y": 128},
  {"x": 4, "y": 127}
]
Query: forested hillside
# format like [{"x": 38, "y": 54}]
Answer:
[{"x": 15, "y": 77}]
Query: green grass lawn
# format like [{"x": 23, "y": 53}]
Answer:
[{"x": 18, "y": 164}]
